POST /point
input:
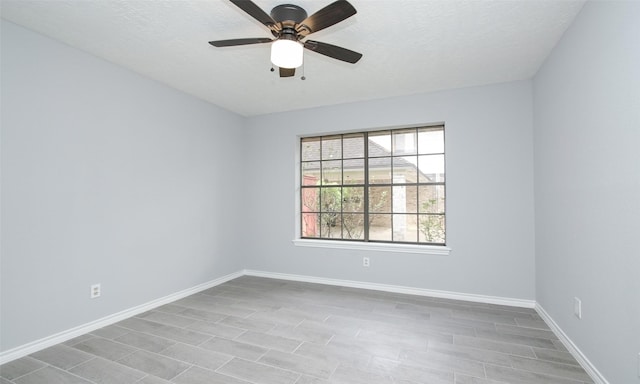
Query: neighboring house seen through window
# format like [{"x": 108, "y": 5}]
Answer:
[{"x": 378, "y": 186}]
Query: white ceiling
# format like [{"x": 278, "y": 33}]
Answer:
[{"x": 409, "y": 46}]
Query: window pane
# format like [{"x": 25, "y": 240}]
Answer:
[
  {"x": 330, "y": 225},
  {"x": 431, "y": 199},
  {"x": 430, "y": 140},
  {"x": 379, "y": 144},
  {"x": 330, "y": 199},
  {"x": 380, "y": 227},
  {"x": 399, "y": 199},
  {"x": 353, "y": 171},
  {"x": 431, "y": 229},
  {"x": 404, "y": 199},
  {"x": 310, "y": 225},
  {"x": 353, "y": 146},
  {"x": 431, "y": 168},
  {"x": 331, "y": 147},
  {"x": 311, "y": 173},
  {"x": 404, "y": 142},
  {"x": 353, "y": 226},
  {"x": 404, "y": 169},
  {"x": 380, "y": 170},
  {"x": 404, "y": 228},
  {"x": 310, "y": 199},
  {"x": 353, "y": 199},
  {"x": 310, "y": 149},
  {"x": 380, "y": 199},
  {"x": 332, "y": 172}
]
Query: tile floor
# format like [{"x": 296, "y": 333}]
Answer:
[{"x": 263, "y": 331}]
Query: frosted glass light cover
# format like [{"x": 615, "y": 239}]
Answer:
[{"x": 286, "y": 54}]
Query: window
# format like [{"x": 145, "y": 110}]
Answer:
[{"x": 379, "y": 186}]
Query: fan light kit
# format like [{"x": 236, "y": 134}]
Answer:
[
  {"x": 290, "y": 26},
  {"x": 286, "y": 54}
]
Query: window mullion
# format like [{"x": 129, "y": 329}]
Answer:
[
  {"x": 366, "y": 186},
  {"x": 342, "y": 186}
]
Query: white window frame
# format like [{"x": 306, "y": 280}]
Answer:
[{"x": 428, "y": 249}]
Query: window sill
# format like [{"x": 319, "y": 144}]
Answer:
[{"x": 384, "y": 247}]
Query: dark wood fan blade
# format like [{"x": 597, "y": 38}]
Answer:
[
  {"x": 254, "y": 11},
  {"x": 326, "y": 17},
  {"x": 287, "y": 72},
  {"x": 232, "y": 42},
  {"x": 333, "y": 51}
]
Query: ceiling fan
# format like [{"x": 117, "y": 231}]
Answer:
[{"x": 290, "y": 26}]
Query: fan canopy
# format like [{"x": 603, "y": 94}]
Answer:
[{"x": 288, "y": 12}]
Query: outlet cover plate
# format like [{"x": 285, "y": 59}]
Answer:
[{"x": 96, "y": 291}]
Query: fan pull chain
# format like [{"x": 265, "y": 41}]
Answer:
[{"x": 303, "y": 77}]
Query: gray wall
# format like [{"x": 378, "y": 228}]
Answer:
[
  {"x": 489, "y": 144},
  {"x": 587, "y": 179},
  {"x": 107, "y": 177}
]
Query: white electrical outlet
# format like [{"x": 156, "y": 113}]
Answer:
[
  {"x": 365, "y": 261},
  {"x": 95, "y": 291},
  {"x": 577, "y": 307}
]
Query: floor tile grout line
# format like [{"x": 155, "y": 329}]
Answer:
[
  {"x": 547, "y": 362},
  {"x": 94, "y": 357},
  {"x": 547, "y": 374},
  {"x": 83, "y": 378},
  {"x": 73, "y": 374},
  {"x": 169, "y": 346},
  {"x": 230, "y": 357},
  {"x": 37, "y": 369},
  {"x": 164, "y": 323},
  {"x": 143, "y": 377},
  {"x": 298, "y": 347},
  {"x": 150, "y": 352},
  {"x": 261, "y": 363},
  {"x": 181, "y": 373},
  {"x": 240, "y": 335},
  {"x": 151, "y": 335}
]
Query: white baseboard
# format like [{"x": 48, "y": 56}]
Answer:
[
  {"x": 398, "y": 289},
  {"x": 69, "y": 334},
  {"x": 571, "y": 347}
]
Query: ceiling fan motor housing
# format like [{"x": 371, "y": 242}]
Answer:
[{"x": 288, "y": 12}]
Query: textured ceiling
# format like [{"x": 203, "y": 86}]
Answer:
[{"x": 409, "y": 46}]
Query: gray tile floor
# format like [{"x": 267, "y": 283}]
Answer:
[{"x": 263, "y": 331}]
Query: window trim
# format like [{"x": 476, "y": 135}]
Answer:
[
  {"x": 414, "y": 248},
  {"x": 441, "y": 250}
]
